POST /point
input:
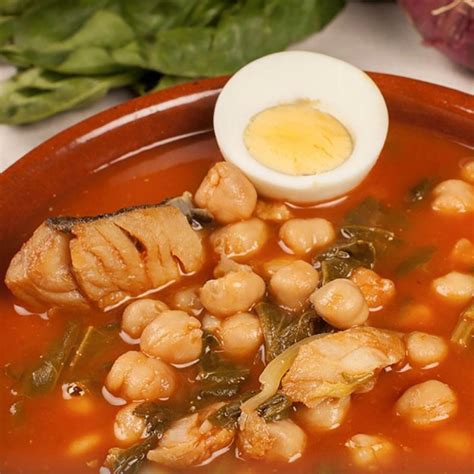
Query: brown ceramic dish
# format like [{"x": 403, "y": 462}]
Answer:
[{"x": 61, "y": 162}]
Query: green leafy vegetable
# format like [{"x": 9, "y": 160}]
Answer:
[
  {"x": 418, "y": 258},
  {"x": 275, "y": 408},
  {"x": 420, "y": 191},
  {"x": 130, "y": 460},
  {"x": 42, "y": 377},
  {"x": 86, "y": 369},
  {"x": 75, "y": 51},
  {"x": 36, "y": 94},
  {"x": 218, "y": 377},
  {"x": 281, "y": 329},
  {"x": 383, "y": 240},
  {"x": 278, "y": 407},
  {"x": 341, "y": 259},
  {"x": 372, "y": 213},
  {"x": 464, "y": 331}
]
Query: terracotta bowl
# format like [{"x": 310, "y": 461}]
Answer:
[{"x": 66, "y": 159}]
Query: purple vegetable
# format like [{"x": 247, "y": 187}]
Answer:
[{"x": 447, "y": 25}]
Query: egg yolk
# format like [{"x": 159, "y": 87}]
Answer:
[{"x": 297, "y": 139}]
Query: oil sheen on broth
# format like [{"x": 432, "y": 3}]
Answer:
[{"x": 415, "y": 291}]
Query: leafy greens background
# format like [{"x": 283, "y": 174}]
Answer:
[{"x": 69, "y": 53}]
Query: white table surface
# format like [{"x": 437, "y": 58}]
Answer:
[{"x": 374, "y": 37}]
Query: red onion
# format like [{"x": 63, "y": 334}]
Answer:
[{"x": 447, "y": 25}]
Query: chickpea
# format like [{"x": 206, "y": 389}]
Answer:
[
  {"x": 302, "y": 236},
  {"x": 233, "y": 293},
  {"x": 467, "y": 171},
  {"x": 463, "y": 253},
  {"x": 378, "y": 291},
  {"x": 341, "y": 304},
  {"x": 288, "y": 441},
  {"x": 139, "y": 314},
  {"x": 174, "y": 337},
  {"x": 240, "y": 240},
  {"x": 272, "y": 211},
  {"x": 455, "y": 441},
  {"x": 187, "y": 300},
  {"x": 371, "y": 452},
  {"x": 134, "y": 376},
  {"x": 129, "y": 428},
  {"x": 327, "y": 415},
  {"x": 427, "y": 403},
  {"x": 292, "y": 285},
  {"x": 227, "y": 194},
  {"x": 227, "y": 265},
  {"x": 454, "y": 287},
  {"x": 425, "y": 349},
  {"x": 210, "y": 323},
  {"x": 241, "y": 335},
  {"x": 415, "y": 315},
  {"x": 270, "y": 267},
  {"x": 453, "y": 197}
]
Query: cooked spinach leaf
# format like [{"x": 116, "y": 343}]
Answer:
[
  {"x": 383, "y": 240},
  {"x": 86, "y": 370},
  {"x": 373, "y": 213},
  {"x": 463, "y": 332},
  {"x": 128, "y": 461},
  {"x": 342, "y": 258},
  {"x": 275, "y": 408},
  {"x": 42, "y": 377},
  {"x": 420, "y": 190},
  {"x": 282, "y": 329},
  {"x": 417, "y": 259},
  {"x": 218, "y": 377}
]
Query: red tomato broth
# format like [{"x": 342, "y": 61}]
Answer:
[{"x": 411, "y": 154}]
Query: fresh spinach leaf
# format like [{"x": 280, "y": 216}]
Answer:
[
  {"x": 43, "y": 377},
  {"x": 420, "y": 190},
  {"x": 282, "y": 329},
  {"x": 218, "y": 377},
  {"x": 418, "y": 258},
  {"x": 36, "y": 94}
]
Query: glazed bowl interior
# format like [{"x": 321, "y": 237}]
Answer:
[{"x": 60, "y": 163}]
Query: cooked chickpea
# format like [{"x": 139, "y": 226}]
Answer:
[
  {"x": 327, "y": 415},
  {"x": 227, "y": 194},
  {"x": 288, "y": 441},
  {"x": 415, "y": 315},
  {"x": 455, "y": 287},
  {"x": 467, "y": 171},
  {"x": 270, "y": 267},
  {"x": 425, "y": 349},
  {"x": 235, "y": 292},
  {"x": 456, "y": 441},
  {"x": 453, "y": 197},
  {"x": 240, "y": 335},
  {"x": 129, "y": 428},
  {"x": 463, "y": 253},
  {"x": 292, "y": 285},
  {"x": 187, "y": 299},
  {"x": 302, "y": 236},
  {"x": 240, "y": 240},
  {"x": 139, "y": 314},
  {"x": 371, "y": 452},
  {"x": 427, "y": 403},
  {"x": 174, "y": 337},
  {"x": 134, "y": 376},
  {"x": 85, "y": 443},
  {"x": 378, "y": 291},
  {"x": 272, "y": 211},
  {"x": 341, "y": 304},
  {"x": 227, "y": 265}
]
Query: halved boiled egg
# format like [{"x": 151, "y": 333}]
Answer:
[{"x": 303, "y": 127}]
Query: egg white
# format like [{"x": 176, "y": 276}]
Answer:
[{"x": 335, "y": 87}]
